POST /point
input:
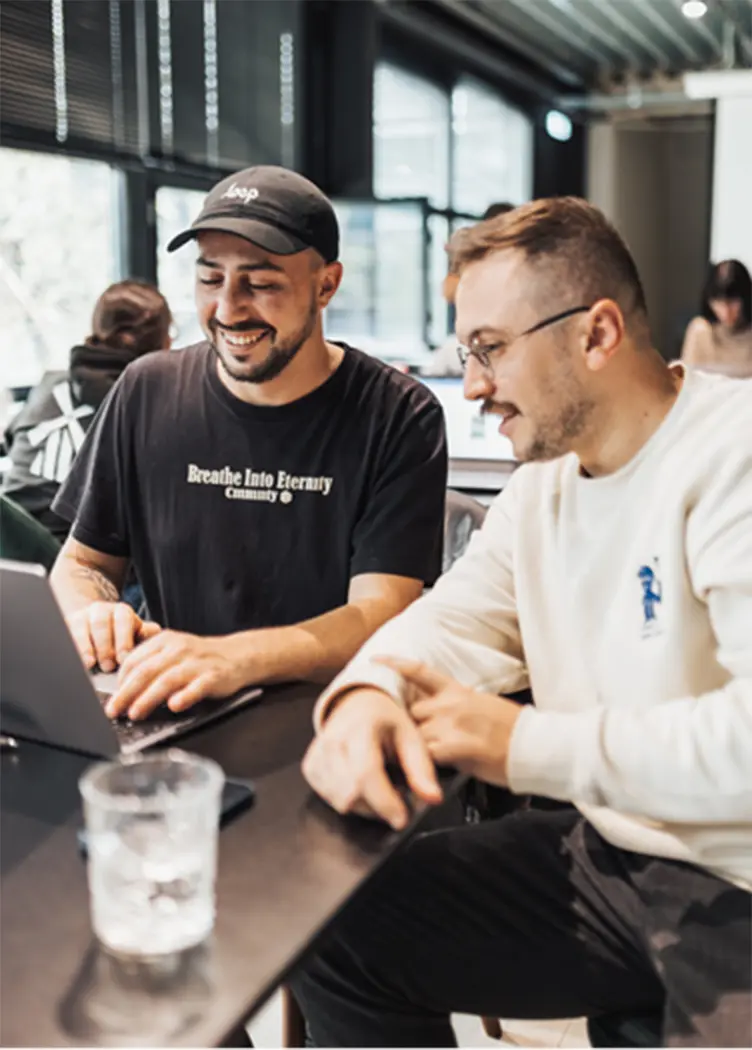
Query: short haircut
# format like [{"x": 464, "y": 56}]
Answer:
[
  {"x": 498, "y": 208},
  {"x": 571, "y": 242}
]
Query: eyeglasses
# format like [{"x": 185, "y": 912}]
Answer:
[{"x": 483, "y": 353}]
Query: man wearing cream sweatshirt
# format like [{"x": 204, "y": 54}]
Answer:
[{"x": 614, "y": 577}]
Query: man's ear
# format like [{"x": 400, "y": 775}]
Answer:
[
  {"x": 330, "y": 277},
  {"x": 605, "y": 333}
]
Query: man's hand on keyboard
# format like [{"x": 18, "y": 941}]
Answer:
[
  {"x": 105, "y": 632},
  {"x": 178, "y": 669}
]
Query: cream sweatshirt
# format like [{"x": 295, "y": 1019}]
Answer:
[{"x": 625, "y": 602}]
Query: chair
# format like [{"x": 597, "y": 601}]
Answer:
[
  {"x": 625, "y": 1030},
  {"x": 462, "y": 516},
  {"x": 22, "y": 538}
]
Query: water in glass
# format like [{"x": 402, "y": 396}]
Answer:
[{"x": 152, "y": 869}]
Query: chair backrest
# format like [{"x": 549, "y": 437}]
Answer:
[
  {"x": 23, "y": 538},
  {"x": 463, "y": 515}
]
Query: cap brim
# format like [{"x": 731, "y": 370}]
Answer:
[{"x": 270, "y": 238}]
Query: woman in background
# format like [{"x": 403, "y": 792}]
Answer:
[
  {"x": 130, "y": 318},
  {"x": 720, "y": 340}
]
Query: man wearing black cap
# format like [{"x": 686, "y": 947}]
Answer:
[{"x": 280, "y": 496}]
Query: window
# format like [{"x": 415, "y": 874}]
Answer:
[
  {"x": 419, "y": 138},
  {"x": 176, "y": 210},
  {"x": 379, "y": 306},
  {"x": 411, "y": 137},
  {"x": 59, "y": 250},
  {"x": 460, "y": 150},
  {"x": 438, "y": 326},
  {"x": 493, "y": 149},
  {"x": 210, "y": 81}
]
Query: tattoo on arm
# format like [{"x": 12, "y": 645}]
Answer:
[{"x": 105, "y": 589}]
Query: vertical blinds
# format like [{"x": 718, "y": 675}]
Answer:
[{"x": 212, "y": 82}]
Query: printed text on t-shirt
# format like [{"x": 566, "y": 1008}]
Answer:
[{"x": 258, "y": 485}]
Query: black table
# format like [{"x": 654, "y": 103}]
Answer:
[{"x": 286, "y": 867}]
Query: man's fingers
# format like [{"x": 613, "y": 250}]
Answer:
[
  {"x": 415, "y": 760},
  {"x": 383, "y": 799},
  {"x": 416, "y": 673},
  {"x": 328, "y": 770},
  {"x": 148, "y": 629},
  {"x": 100, "y": 617},
  {"x": 354, "y": 780},
  {"x": 445, "y": 753},
  {"x": 78, "y": 626},
  {"x": 161, "y": 688},
  {"x": 135, "y": 679},
  {"x": 199, "y": 689},
  {"x": 145, "y": 651},
  {"x": 426, "y": 709},
  {"x": 125, "y": 626}
]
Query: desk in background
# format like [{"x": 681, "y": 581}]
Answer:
[{"x": 483, "y": 479}]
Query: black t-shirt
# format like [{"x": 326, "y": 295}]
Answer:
[{"x": 238, "y": 516}]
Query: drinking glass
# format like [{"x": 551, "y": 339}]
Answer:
[{"x": 152, "y": 824}]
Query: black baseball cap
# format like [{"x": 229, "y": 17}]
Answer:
[{"x": 271, "y": 207}]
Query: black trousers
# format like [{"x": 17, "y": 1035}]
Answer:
[{"x": 532, "y": 916}]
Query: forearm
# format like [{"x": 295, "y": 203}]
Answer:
[
  {"x": 314, "y": 650},
  {"x": 77, "y": 583},
  {"x": 683, "y": 761},
  {"x": 466, "y": 628}
]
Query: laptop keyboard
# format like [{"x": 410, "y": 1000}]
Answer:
[
  {"x": 130, "y": 732},
  {"x": 163, "y": 723},
  {"x": 126, "y": 731}
]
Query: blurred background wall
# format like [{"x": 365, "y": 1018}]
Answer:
[
  {"x": 653, "y": 179},
  {"x": 732, "y": 174}
]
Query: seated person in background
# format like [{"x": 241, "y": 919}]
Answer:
[
  {"x": 445, "y": 361},
  {"x": 614, "y": 576},
  {"x": 279, "y": 496},
  {"x": 720, "y": 340},
  {"x": 131, "y": 318}
]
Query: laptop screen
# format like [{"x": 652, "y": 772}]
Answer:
[{"x": 469, "y": 434}]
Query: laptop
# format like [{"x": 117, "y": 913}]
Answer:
[
  {"x": 46, "y": 693},
  {"x": 470, "y": 435}
]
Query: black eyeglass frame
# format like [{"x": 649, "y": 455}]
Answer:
[{"x": 480, "y": 354}]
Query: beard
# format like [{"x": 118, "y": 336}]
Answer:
[
  {"x": 283, "y": 350},
  {"x": 553, "y": 437},
  {"x": 552, "y": 431}
]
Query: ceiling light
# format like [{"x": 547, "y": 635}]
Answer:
[
  {"x": 694, "y": 8},
  {"x": 558, "y": 125},
  {"x": 718, "y": 83}
]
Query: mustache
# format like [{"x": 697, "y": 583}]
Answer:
[
  {"x": 242, "y": 326},
  {"x": 497, "y": 408}
]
